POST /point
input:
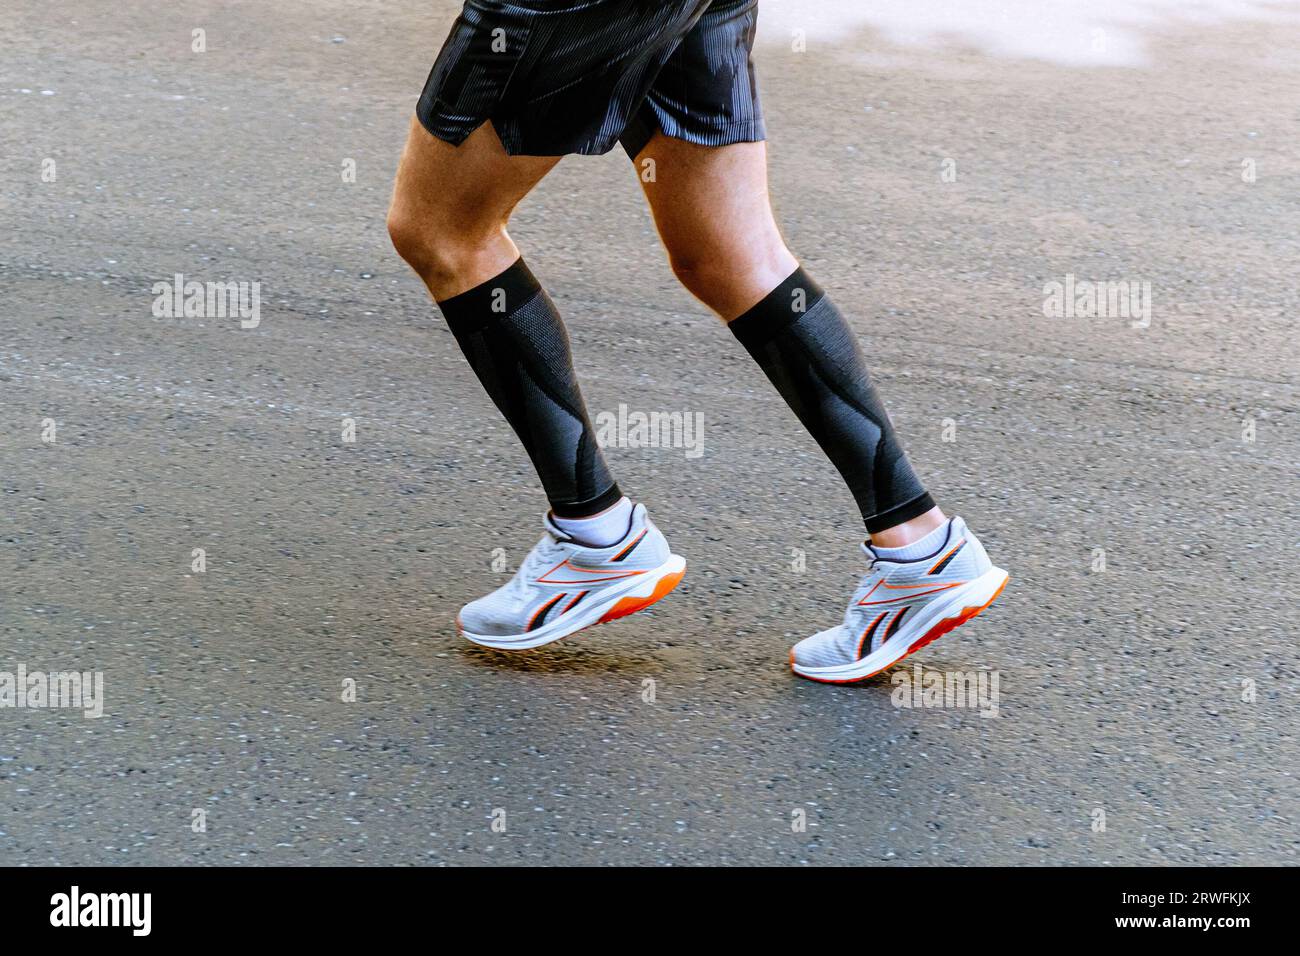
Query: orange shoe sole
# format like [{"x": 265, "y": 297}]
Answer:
[{"x": 630, "y": 605}]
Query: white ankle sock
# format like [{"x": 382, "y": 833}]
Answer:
[
  {"x": 920, "y": 548},
  {"x": 602, "y": 530}
]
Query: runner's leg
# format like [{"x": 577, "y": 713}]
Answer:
[
  {"x": 448, "y": 221},
  {"x": 710, "y": 205}
]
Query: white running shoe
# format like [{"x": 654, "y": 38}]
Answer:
[
  {"x": 564, "y": 586},
  {"x": 900, "y": 607}
]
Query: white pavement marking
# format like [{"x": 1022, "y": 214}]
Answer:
[{"x": 1069, "y": 32}]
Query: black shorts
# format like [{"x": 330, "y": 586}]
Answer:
[{"x": 566, "y": 76}]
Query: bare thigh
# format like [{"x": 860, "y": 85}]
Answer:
[
  {"x": 451, "y": 205},
  {"x": 711, "y": 207}
]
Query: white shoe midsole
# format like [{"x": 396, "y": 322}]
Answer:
[
  {"x": 974, "y": 593},
  {"x": 585, "y": 614}
]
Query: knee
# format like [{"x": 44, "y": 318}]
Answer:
[
  {"x": 429, "y": 250},
  {"x": 701, "y": 274},
  {"x": 439, "y": 251},
  {"x": 722, "y": 278}
]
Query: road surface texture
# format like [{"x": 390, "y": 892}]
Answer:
[{"x": 1138, "y": 479}]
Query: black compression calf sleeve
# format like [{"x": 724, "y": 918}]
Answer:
[
  {"x": 809, "y": 353},
  {"x": 511, "y": 333}
]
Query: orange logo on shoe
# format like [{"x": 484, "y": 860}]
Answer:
[
  {"x": 593, "y": 575},
  {"x": 911, "y": 588}
]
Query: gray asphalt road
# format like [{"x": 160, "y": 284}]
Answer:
[{"x": 1159, "y": 691}]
